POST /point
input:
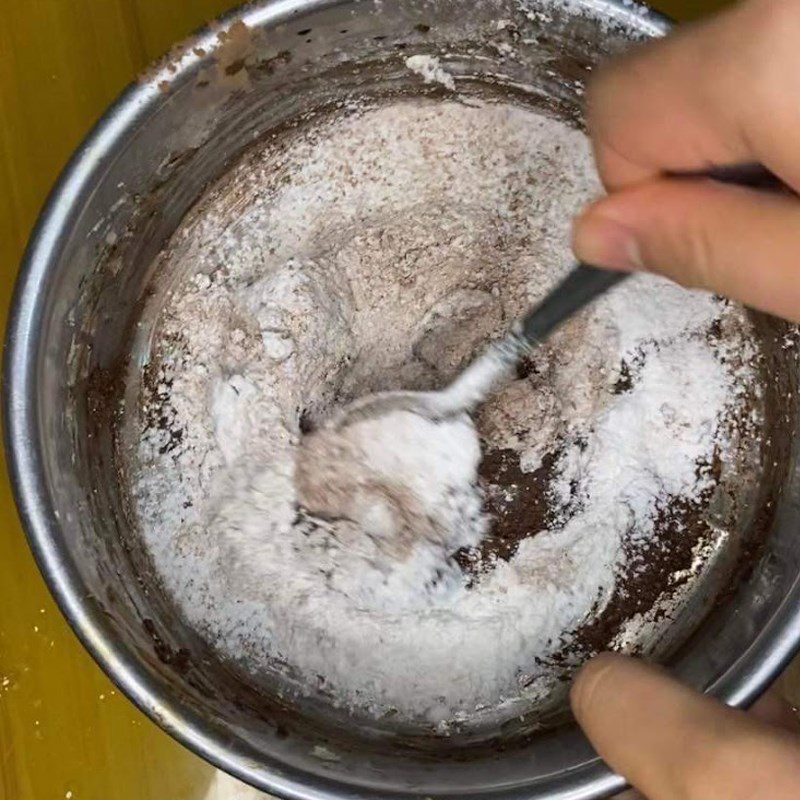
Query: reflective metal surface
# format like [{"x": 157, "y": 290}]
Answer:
[{"x": 87, "y": 268}]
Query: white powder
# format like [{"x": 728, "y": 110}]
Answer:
[
  {"x": 399, "y": 478},
  {"x": 381, "y": 251},
  {"x": 431, "y": 70}
]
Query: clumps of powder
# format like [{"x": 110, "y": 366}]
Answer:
[
  {"x": 430, "y": 69},
  {"x": 381, "y": 250},
  {"x": 398, "y": 478}
]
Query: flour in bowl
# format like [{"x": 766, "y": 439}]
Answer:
[
  {"x": 380, "y": 249},
  {"x": 397, "y": 479}
]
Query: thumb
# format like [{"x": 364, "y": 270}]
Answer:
[
  {"x": 738, "y": 242},
  {"x": 674, "y": 744}
]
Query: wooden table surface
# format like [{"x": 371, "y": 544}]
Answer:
[{"x": 64, "y": 730}]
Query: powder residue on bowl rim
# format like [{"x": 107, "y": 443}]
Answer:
[
  {"x": 379, "y": 250},
  {"x": 430, "y": 69}
]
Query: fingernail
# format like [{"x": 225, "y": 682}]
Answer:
[{"x": 604, "y": 242}]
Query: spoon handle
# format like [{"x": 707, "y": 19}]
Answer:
[
  {"x": 581, "y": 286},
  {"x": 586, "y": 283}
]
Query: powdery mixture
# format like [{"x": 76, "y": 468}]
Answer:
[
  {"x": 396, "y": 479},
  {"x": 379, "y": 250}
]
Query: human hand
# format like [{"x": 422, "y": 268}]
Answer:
[
  {"x": 722, "y": 91},
  {"x": 673, "y": 743}
]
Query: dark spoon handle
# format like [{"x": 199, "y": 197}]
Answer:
[
  {"x": 752, "y": 175},
  {"x": 586, "y": 283}
]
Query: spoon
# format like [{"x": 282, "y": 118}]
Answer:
[
  {"x": 582, "y": 285},
  {"x": 497, "y": 363}
]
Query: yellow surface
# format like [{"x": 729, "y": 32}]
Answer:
[
  {"x": 64, "y": 731},
  {"x": 63, "y": 728}
]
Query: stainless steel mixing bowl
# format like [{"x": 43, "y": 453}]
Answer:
[{"x": 82, "y": 286}]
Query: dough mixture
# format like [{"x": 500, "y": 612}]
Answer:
[{"x": 380, "y": 248}]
